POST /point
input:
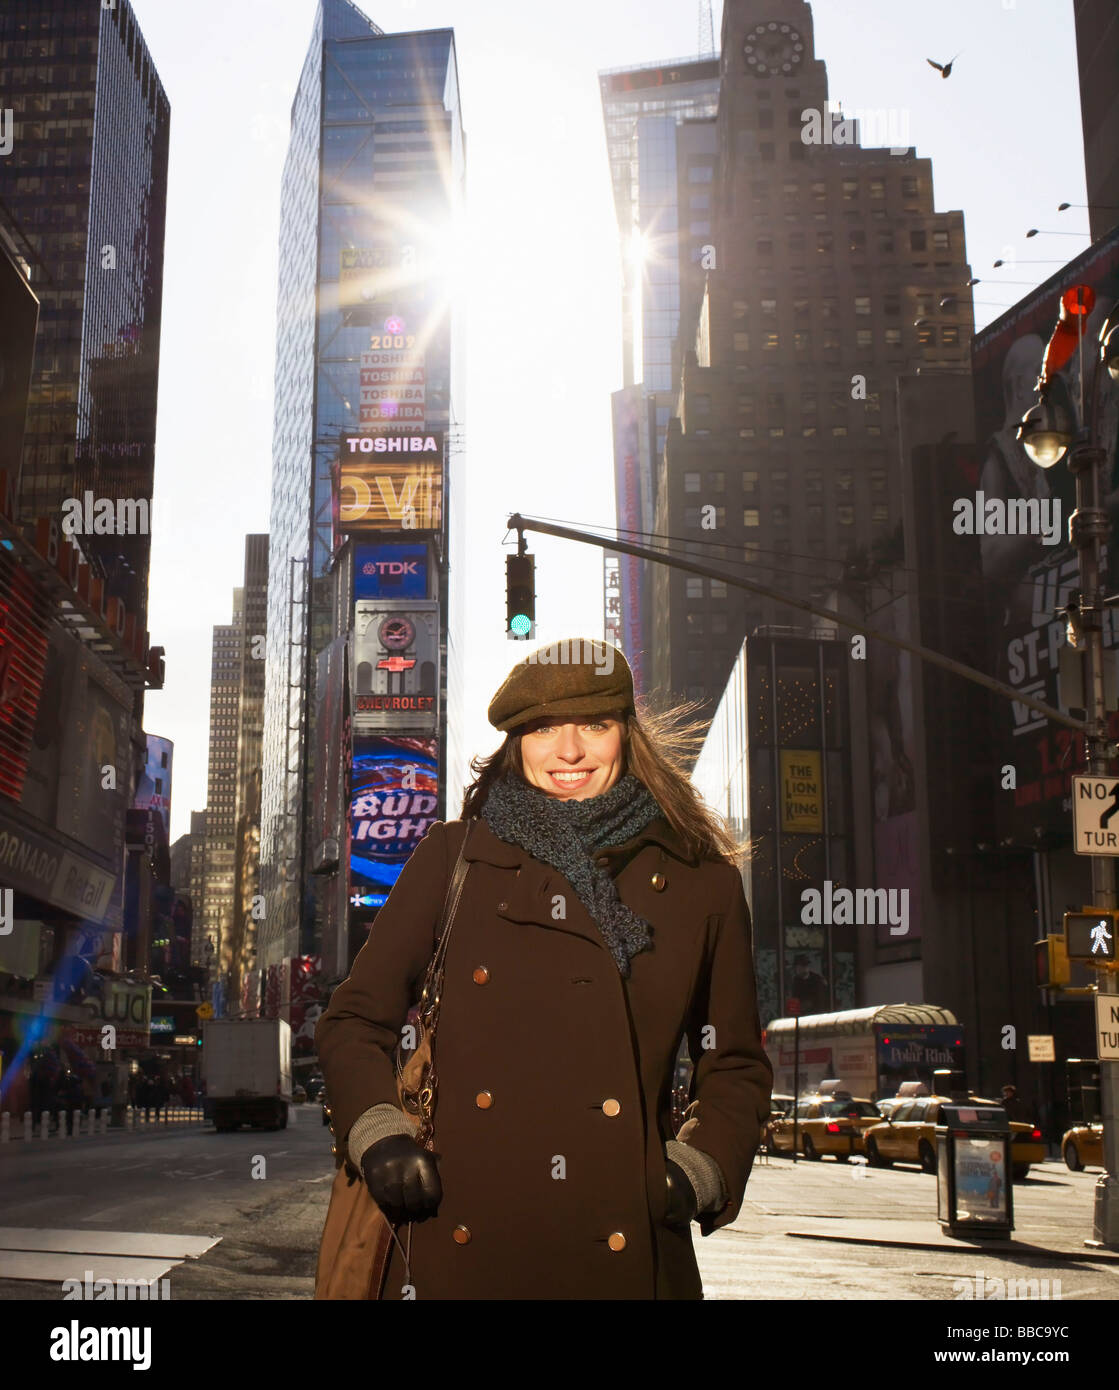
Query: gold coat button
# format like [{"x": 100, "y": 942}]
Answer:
[
  {"x": 611, "y": 1108},
  {"x": 502, "y": 906},
  {"x": 483, "y": 1100},
  {"x": 617, "y": 1241},
  {"x": 659, "y": 882},
  {"x": 461, "y": 1235},
  {"x": 481, "y": 975}
]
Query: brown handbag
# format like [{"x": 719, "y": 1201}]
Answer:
[{"x": 357, "y": 1239}]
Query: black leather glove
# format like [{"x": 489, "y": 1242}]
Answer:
[
  {"x": 682, "y": 1205},
  {"x": 402, "y": 1178}
]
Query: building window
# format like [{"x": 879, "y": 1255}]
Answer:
[
  {"x": 718, "y": 624},
  {"x": 918, "y": 241},
  {"x": 791, "y": 190},
  {"x": 693, "y": 587},
  {"x": 742, "y": 342},
  {"x": 885, "y": 241},
  {"x": 701, "y": 173},
  {"x": 950, "y": 335},
  {"x": 693, "y": 623},
  {"x": 802, "y": 310},
  {"x": 750, "y": 552},
  {"x": 813, "y": 481},
  {"x": 839, "y": 431},
  {"x": 691, "y": 482},
  {"x": 879, "y": 513},
  {"x": 814, "y": 514},
  {"x": 820, "y": 192},
  {"x": 779, "y": 481},
  {"x": 771, "y": 342},
  {"x": 751, "y": 516},
  {"x": 718, "y": 588},
  {"x": 845, "y": 515},
  {"x": 856, "y": 239},
  {"x": 825, "y": 243},
  {"x": 779, "y": 516},
  {"x": 691, "y": 517},
  {"x": 745, "y": 402},
  {"x": 878, "y": 480},
  {"x": 940, "y": 241},
  {"x": 844, "y": 480},
  {"x": 831, "y": 340},
  {"x": 893, "y": 337},
  {"x": 829, "y": 308},
  {"x": 769, "y": 308},
  {"x": 764, "y": 246},
  {"x": 891, "y": 305},
  {"x": 909, "y": 186},
  {"x": 749, "y": 481},
  {"x": 864, "y": 338},
  {"x": 747, "y": 432},
  {"x": 850, "y": 190},
  {"x": 926, "y": 335},
  {"x": 862, "y": 304},
  {"x": 878, "y": 188},
  {"x": 738, "y": 309},
  {"x": 717, "y": 482},
  {"x": 802, "y": 340}
]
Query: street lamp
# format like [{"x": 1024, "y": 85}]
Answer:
[{"x": 1047, "y": 432}]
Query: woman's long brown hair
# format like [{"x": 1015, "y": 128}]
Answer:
[{"x": 658, "y": 746}]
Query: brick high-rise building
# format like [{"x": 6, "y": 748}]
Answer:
[{"x": 824, "y": 282}]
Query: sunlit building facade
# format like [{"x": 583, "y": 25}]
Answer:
[{"x": 371, "y": 187}]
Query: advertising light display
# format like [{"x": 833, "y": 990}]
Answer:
[{"x": 393, "y": 800}]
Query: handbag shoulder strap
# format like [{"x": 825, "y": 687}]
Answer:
[{"x": 433, "y": 980}]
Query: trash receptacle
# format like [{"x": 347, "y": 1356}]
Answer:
[{"x": 974, "y": 1194}]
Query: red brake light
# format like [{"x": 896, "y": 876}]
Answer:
[
  {"x": 832, "y": 1128},
  {"x": 1035, "y": 1135}
]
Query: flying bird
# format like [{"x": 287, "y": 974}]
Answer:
[{"x": 945, "y": 69}]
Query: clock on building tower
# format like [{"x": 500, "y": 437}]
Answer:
[{"x": 772, "y": 48}]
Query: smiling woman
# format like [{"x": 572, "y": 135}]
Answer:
[{"x": 600, "y": 920}]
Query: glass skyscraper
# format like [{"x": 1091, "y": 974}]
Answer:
[
  {"x": 84, "y": 191},
  {"x": 371, "y": 188}
]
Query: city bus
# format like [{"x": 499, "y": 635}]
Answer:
[{"x": 870, "y": 1052}]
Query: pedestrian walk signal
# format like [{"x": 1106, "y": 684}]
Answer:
[
  {"x": 520, "y": 596},
  {"x": 1091, "y": 935}
]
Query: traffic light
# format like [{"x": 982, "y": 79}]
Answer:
[
  {"x": 1090, "y": 935},
  {"x": 520, "y": 596},
  {"x": 1052, "y": 963}
]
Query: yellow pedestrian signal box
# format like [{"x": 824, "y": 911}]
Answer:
[
  {"x": 1052, "y": 962},
  {"x": 1090, "y": 935}
]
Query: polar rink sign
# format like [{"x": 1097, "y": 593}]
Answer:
[{"x": 1095, "y": 811}]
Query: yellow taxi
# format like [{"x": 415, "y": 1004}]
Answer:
[
  {"x": 908, "y": 1135},
  {"x": 1081, "y": 1145},
  {"x": 829, "y": 1122}
]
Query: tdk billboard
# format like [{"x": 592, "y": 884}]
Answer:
[{"x": 390, "y": 571}]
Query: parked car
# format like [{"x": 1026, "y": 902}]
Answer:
[
  {"x": 829, "y": 1123},
  {"x": 1083, "y": 1145},
  {"x": 907, "y": 1134}
]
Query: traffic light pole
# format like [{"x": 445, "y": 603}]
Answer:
[
  {"x": 520, "y": 524},
  {"x": 1089, "y": 528}
]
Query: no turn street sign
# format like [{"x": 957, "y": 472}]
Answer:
[
  {"x": 1095, "y": 815},
  {"x": 1107, "y": 1027}
]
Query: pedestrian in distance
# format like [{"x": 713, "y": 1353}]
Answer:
[{"x": 602, "y": 918}]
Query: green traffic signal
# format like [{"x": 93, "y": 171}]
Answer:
[{"x": 520, "y": 595}]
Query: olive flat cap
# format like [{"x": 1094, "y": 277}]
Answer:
[{"x": 574, "y": 676}]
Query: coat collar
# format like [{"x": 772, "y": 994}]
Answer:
[{"x": 483, "y": 845}]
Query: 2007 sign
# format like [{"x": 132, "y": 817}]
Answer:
[{"x": 391, "y": 340}]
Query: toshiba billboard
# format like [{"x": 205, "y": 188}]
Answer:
[{"x": 389, "y": 482}]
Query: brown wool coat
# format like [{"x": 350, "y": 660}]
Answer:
[{"x": 552, "y": 1034}]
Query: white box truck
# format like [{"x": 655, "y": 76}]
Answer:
[{"x": 246, "y": 1064}]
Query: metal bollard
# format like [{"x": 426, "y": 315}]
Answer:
[
  {"x": 130, "y": 1118},
  {"x": 28, "y": 1125},
  {"x": 44, "y": 1124},
  {"x": 105, "y": 1120},
  {"x": 5, "y": 1127}
]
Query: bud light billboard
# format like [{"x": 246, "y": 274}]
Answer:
[
  {"x": 393, "y": 799},
  {"x": 390, "y": 571}
]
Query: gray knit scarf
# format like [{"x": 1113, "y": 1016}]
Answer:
[{"x": 566, "y": 834}]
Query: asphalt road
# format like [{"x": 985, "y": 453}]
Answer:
[
  {"x": 186, "y": 1181},
  {"x": 814, "y": 1231}
]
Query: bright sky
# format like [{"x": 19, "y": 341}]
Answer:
[{"x": 543, "y": 293}]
